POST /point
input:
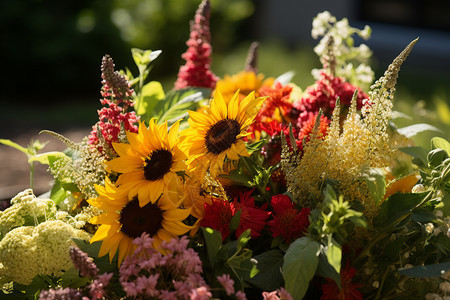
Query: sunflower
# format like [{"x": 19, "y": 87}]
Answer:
[
  {"x": 124, "y": 220},
  {"x": 149, "y": 162},
  {"x": 217, "y": 132},
  {"x": 245, "y": 82}
]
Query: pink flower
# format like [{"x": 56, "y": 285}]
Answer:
[
  {"x": 147, "y": 285},
  {"x": 227, "y": 283},
  {"x": 200, "y": 293},
  {"x": 240, "y": 295},
  {"x": 270, "y": 295}
]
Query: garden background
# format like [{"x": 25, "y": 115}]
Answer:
[{"x": 51, "y": 53}]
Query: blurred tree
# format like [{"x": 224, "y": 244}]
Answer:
[{"x": 52, "y": 49}]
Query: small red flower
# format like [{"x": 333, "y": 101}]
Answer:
[
  {"x": 323, "y": 95},
  {"x": 218, "y": 216},
  {"x": 288, "y": 222},
  {"x": 252, "y": 216},
  {"x": 349, "y": 290}
]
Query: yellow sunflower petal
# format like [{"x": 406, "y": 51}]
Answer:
[
  {"x": 124, "y": 245},
  {"x": 105, "y": 218},
  {"x": 176, "y": 228},
  {"x": 125, "y": 164}
]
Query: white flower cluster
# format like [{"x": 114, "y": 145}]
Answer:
[
  {"x": 342, "y": 48},
  {"x": 35, "y": 238},
  {"x": 27, "y": 251},
  {"x": 26, "y": 210}
]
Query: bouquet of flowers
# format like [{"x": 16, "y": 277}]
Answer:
[{"x": 241, "y": 187}]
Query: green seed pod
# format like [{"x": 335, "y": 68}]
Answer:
[{"x": 436, "y": 157}]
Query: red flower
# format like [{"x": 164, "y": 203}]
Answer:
[
  {"x": 323, "y": 94},
  {"x": 252, "y": 216},
  {"x": 218, "y": 216},
  {"x": 219, "y": 213},
  {"x": 196, "y": 72},
  {"x": 275, "y": 106},
  {"x": 349, "y": 290},
  {"x": 288, "y": 222},
  {"x": 117, "y": 108}
]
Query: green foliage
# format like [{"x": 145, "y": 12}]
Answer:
[
  {"x": 397, "y": 208},
  {"x": 32, "y": 154},
  {"x": 232, "y": 257},
  {"x": 299, "y": 266},
  {"x": 376, "y": 184},
  {"x": 269, "y": 266},
  {"x": 176, "y": 104},
  {"x": 426, "y": 271}
]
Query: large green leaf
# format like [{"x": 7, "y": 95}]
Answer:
[
  {"x": 325, "y": 270},
  {"x": 269, "y": 275},
  {"x": 213, "y": 240},
  {"x": 412, "y": 130},
  {"x": 426, "y": 271},
  {"x": 419, "y": 153},
  {"x": 177, "y": 103},
  {"x": 152, "y": 94},
  {"x": 300, "y": 264},
  {"x": 397, "y": 206}
]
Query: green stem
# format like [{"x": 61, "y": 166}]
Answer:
[
  {"x": 141, "y": 84},
  {"x": 31, "y": 175},
  {"x": 391, "y": 228},
  {"x": 383, "y": 279}
]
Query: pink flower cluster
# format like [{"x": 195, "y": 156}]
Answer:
[
  {"x": 196, "y": 72},
  {"x": 96, "y": 289},
  {"x": 117, "y": 107},
  {"x": 176, "y": 274}
]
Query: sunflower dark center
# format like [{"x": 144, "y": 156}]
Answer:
[
  {"x": 135, "y": 219},
  {"x": 222, "y": 135},
  {"x": 157, "y": 164}
]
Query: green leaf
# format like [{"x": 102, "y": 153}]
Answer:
[
  {"x": 213, "y": 240},
  {"x": 412, "y": 130},
  {"x": 300, "y": 264},
  {"x": 152, "y": 93},
  {"x": 235, "y": 220},
  {"x": 177, "y": 103},
  {"x": 256, "y": 146},
  {"x": 397, "y": 206},
  {"x": 426, "y": 271},
  {"x": 269, "y": 275},
  {"x": 423, "y": 215},
  {"x": 57, "y": 193},
  {"x": 144, "y": 57},
  {"x": 43, "y": 158},
  {"x": 244, "y": 238},
  {"x": 15, "y": 146},
  {"x": 376, "y": 184},
  {"x": 445, "y": 207},
  {"x": 71, "y": 278},
  {"x": 438, "y": 142},
  {"x": 418, "y": 153},
  {"x": 325, "y": 270},
  {"x": 334, "y": 255}
]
